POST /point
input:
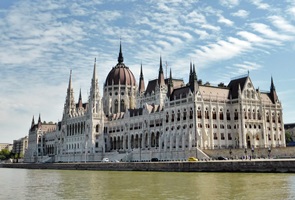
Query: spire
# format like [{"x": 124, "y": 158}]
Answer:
[
  {"x": 273, "y": 93},
  {"x": 33, "y": 122},
  {"x": 80, "y": 100},
  {"x": 272, "y": 86},
  {"x": 120, "y": 58},
  {"x": 193, "y": 80},
  {"x": 70, "y": 80},
  {"x": 194, "y": 73},
  {"x": 94, "y": 70},
  {"x": 94, "y": 96},
  {"x": 161, "y": 80},
  {"x": 190, "y": 73},
  {"x": 141, "y": 86},
  {"x": 39, "y": 120},
  {"x": 170, "y": 84},
  {"x": 69, "y": 106}
]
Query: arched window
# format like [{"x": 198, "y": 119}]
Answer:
[
  {"x": 122, "y": 106},
  {"x": 116, "y": 106}
]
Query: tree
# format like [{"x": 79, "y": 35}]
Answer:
[
  {"x": 288, "y": 137},
  {"x": 5, "y": 154}
]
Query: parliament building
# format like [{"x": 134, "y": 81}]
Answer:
[{"x": 168, "y": 119}]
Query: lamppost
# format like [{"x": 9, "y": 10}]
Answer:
[
  {"x": 252, "y": 151},
  {"x": 230, "y": 152},
  {"x": 269, "y": 150},
  {"x": 245, "y": 153}
]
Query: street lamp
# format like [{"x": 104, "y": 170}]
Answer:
[
  {"x": 269, "y": 150},
  {"x": 245, "y": 153},
  {"x": 252, "y": 151},
  {"x": 230, "y": 152}
]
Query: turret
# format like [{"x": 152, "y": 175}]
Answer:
[
  {"x": 69, "y": 107},
  {"x": 94, "y": 96}
]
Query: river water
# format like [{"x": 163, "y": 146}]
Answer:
[{"x": 109, "y": 185}]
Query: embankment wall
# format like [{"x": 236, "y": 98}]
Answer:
[{"x": 283, "y": 166}]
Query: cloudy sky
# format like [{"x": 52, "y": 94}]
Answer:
[{"x": 41, "y": 41}]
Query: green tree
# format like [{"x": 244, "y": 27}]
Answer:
[
  {"x": 288, "y": 137},
  {"x": 5, "y": 154}
]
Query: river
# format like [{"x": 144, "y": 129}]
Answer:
[{"x": 74, "y": 184}]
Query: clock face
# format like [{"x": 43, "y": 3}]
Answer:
[{"x": 249, "y": 85}]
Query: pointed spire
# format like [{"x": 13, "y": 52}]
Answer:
[
  {"x": 273, "y": 93},
  {"x": 194, "y": 73},
  {"x": 272, "y": 86},
  {"x": 94, "y": 70},
  {"x": 80, "y": 100},
  {"x": 39, "y": 120},
  {"x": 141, "y": 81},
  {"x": 120, "y": 58},
  {"x": 33, "y": 122},
  {"x": 70, "y": 80},
  {"x": 161, "y": 80},
  {"x": 170, "y": 84}
]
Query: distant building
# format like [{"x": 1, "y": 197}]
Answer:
[
  {"x": 20, "y": 146},
  {"x": 167, "y": 120},
  {"x": 5, "y": 146}
]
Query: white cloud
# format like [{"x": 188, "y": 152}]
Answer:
[
  {"x": 267, "y": 32},
  {"x": 251, "y": 37},
  {"x": 261, "y": 5},
  {"x": 282, "y": 24},
  {"x": 222, "y": 50},
  {"x": 225, "y": 21},
  {"x": 229, "y": 3},
  {"x": 241, "y": 13}
]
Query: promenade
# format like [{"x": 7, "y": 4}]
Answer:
[{"x": 254, "y": 165}]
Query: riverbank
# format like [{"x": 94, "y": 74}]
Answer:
[{"x": 267, "y": 165}]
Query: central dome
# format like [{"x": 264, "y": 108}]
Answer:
[{"x": 120, "y": 74}]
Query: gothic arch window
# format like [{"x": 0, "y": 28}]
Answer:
[
  {"x": 227, "y": 115},
  {"x": 184, "y": 114},
  {"x": 172, "y": 118},
  {"x": 116, "y": 106},
  {"x": 221, "y": 114},
  {"x": 167, "y": 117},
  {"x": 178, "y": 115},
  {"x": 97, "y": 128},
  {"x": 214, "y": 113},
  {"x": 206, "y": 114},
  {"x": 122, "y": 106}
]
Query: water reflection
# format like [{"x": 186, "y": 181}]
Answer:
[{"x": 55, "y": 184}]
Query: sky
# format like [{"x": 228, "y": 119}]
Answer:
[{"x": 42, "y": 41}]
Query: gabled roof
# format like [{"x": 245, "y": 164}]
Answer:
[
  {"x": 180, "y": 93},
  {"x": 234, "y": 86},
  {"x": 215, "y": 93},
  {"x": 177, "y": 83}
]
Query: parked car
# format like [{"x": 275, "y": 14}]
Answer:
[
  {"x": 222, "y": 158},
  {"x": 105, "y": 160},
  {"x": 192, "y": 159}
]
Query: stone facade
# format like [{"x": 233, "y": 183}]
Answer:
[{"x": 169, "y": 119}]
